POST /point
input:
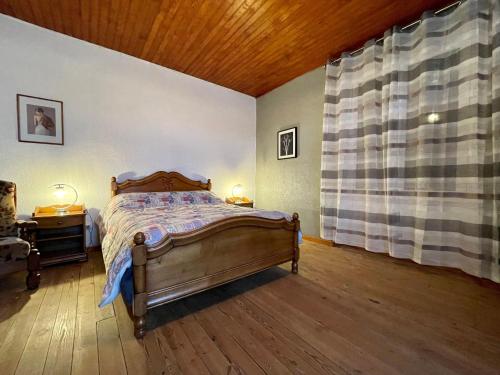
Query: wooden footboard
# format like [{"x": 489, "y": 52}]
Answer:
[
  {"x": 191, "y": 262},
  {"x": 221, "y": 252}
]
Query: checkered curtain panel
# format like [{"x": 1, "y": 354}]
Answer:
[{"x": 411, "y": 143}]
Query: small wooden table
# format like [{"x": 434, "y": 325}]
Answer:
[
  {"x": 242, "y": 202},
  {"x": 61, "y": 237}
]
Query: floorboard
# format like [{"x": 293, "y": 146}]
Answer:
[
  {"x": 111, "y": 359},
  {"x": 85, "y": 358},
  {"x": 348, "y": 311},
  {"x": 19, "y": 331},
  {"x": 60, "y": 353},
  {"x": 37, "y": 345}
]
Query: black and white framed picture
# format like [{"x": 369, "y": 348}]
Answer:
[
  {"x": 287, "y": 143},
  {"x": 39, "y": 120}
]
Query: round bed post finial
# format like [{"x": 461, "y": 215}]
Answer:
[{"x": 139, "y": 238}]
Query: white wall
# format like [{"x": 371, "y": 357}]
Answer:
[{"x": 121, "y": 115}]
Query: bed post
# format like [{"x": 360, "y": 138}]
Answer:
[
  {"x": 296, "y": 250},
  {"x": 139, "y": 308},
  {"x": 114, "y": 186}
]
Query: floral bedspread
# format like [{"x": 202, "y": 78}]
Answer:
[{"x": 157, "y": 215}]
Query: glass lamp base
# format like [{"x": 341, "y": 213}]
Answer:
[{"x": 61, "y": 211}]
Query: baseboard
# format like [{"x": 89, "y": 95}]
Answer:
[{"x": 318, "y": 240}]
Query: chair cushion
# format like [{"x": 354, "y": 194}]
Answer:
[
  {"x": 7, "y": 209},
  {"x": 12, "y": 248}
]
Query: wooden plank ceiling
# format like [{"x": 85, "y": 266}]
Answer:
[{"x": 251, "y": 46}]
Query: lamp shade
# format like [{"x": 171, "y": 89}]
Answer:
[
  {"x": 64, "y": 196},
  {"x": 238, "y": 190}
]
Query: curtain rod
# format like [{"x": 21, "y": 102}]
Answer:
[{"x": 409, "y": 26}]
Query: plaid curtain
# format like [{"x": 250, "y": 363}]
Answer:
[{"x": 411, "y": 143}]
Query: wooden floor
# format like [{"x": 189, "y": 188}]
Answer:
[{"x": 347, "y": 312}]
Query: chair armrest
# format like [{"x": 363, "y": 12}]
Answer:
[
  {"x": 23, "y": 224},
  {"x": 27, "y": 230}
]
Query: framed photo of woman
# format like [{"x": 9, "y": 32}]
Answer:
[{"x": 39, "y": 120}]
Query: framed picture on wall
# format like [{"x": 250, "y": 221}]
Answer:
[
  {"x": 287, "y": 143},
  {"x": 39, "y": 120}
]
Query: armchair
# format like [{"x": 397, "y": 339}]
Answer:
[{"x": 16, "y": 239}]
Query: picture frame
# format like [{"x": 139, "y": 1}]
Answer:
[
  {"x": 287, "y": 143},
  {"x": 39, "y": 120}
]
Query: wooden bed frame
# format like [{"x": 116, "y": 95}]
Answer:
[{"x": 187, "y": 263}]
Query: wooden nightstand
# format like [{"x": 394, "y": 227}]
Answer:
[
  {"x": 242, "y": 202},
  {"x": 61, "y": 238}
]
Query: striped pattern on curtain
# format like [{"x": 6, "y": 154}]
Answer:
[{"x": 411, "y": 143}]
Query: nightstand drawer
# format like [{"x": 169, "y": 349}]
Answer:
[{"x": 59, "y": 222}]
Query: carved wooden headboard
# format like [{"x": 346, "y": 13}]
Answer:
[{"x": 159, "y": 181}]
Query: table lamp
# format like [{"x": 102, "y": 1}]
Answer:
[
  {"x": 63, "y": 193},
  {"x": 237, "y": 191}
]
